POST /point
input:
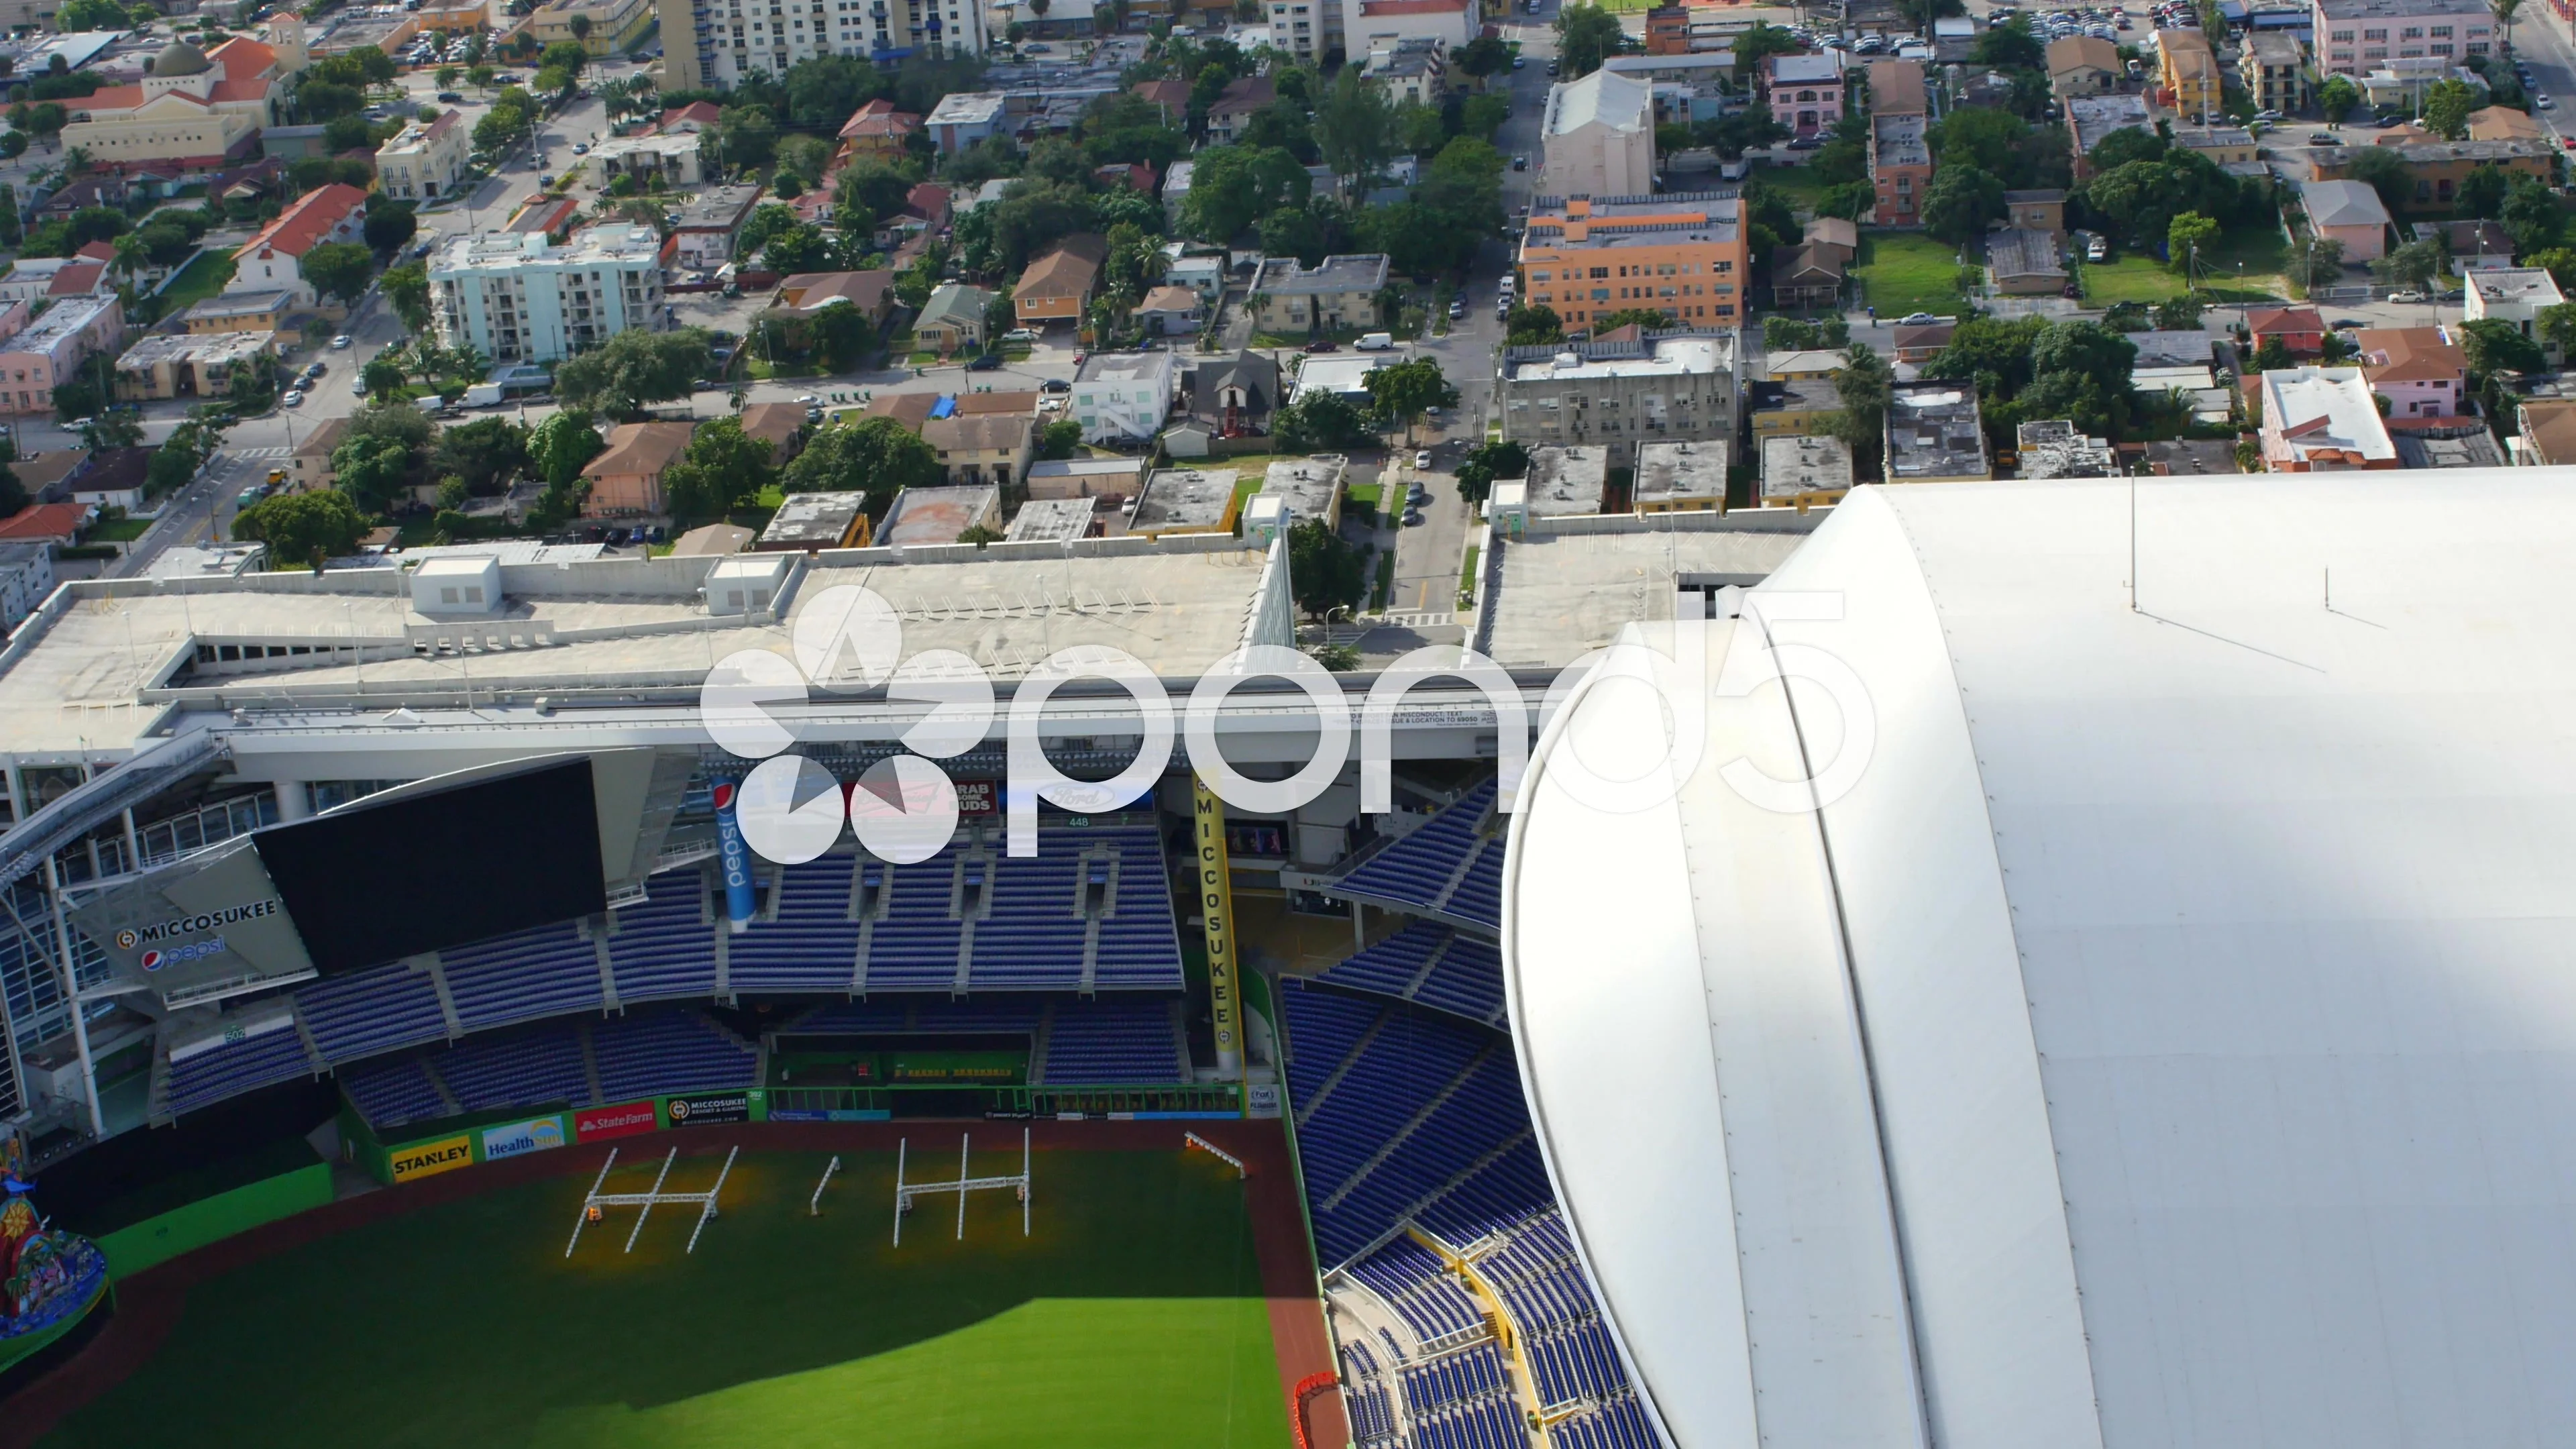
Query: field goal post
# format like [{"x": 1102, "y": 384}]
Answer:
[
  {"x": 905, "y": 1192},
  {"x": 1192, "y": 1141},
  {"x": 595, "y": 1203}
]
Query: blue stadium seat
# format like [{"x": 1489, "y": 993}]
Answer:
[
  {"x": 368, "y": 1013},
  {"x": 524, "y": 976},
  {"x": 1113, "y": 1042},
  {"x": 1422, "y": 872},
  {"x": 646, "y": 1054},
  {"x": 236, "y": 1067}
]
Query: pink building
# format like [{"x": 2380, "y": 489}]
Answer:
[
  {"x": 2356, "y": 37},
  {"x": 1806, "y": 91},
  {"x": 37, "y": 357}
]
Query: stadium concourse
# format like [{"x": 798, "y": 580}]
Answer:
[{"x": 448, "y": 838}]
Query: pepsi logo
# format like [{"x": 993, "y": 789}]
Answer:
[
  {"x": 724, "y": 796},
  {"x": 151, "y": 960}
]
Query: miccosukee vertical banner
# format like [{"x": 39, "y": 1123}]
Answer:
[{"x": 1216, "y": 907}]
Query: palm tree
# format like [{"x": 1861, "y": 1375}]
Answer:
[
  {"x": 2504, "y": 10},
  {"x": 131, "y": 256},
  {"x": 580, "y": 27}
]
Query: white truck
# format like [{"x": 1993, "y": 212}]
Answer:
[
  {"x": 1375, "y": 342},
  {"x": 483, "y": 395}
]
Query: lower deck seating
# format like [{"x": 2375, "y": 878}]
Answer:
[
  {"x": 211, "y": 1076},
  {"x": 1111, "y": 1042},
  {"x": 648, "y": 1054},
  {"x": 1621, "y": 1424},
  {"x": 642, "y": 1054}
]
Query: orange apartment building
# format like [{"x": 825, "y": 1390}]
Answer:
[{"x": 1684, "y": 254}]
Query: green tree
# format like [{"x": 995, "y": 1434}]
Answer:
[
  {"x": 303, "y": 527},
  {"x": 380, "y": 379},
  {"x": 1477, "y": 471},
  {"x": 2011, "y": 45},
  {"x": 2557, "y": 327},
  {"x": 724, "y": 469},
  {"x": 2494, "y": 346},
  {"x": 1324, "y": 571},
  {"x": 1586, "y": 35},
  {"x": 1483, "y": 56},
  {"x": 1319, "y": 422},
  {"x": 1401, "y": 393},
  {"x": 502, "y": 127},
  {"x": 564, "y": 55},
  {"x": 2316, "y": 262},
  {"x": 2482, "y": 193},
  {"x": 1058, "y": 440},
  {"x": 407, "y": 288},
  {"x": 2190, "y": 235},
  {"x": 1865, "y": 386},
  {"x": 371, "y": 470},
  {"x": 389, "y": 223},
  {"x": 1756, "y": 45},
  {"x": 562, "y": 445},
  {"x": 1960, "y": 203},
  {"x": 877, "y": 456},
  {"x": 1234, "y": 186},
  {"x": 2337, "y": 96},
  {"x": 747, "y": 135},
  {"x": 2179, "y": 314},
  {"x": 1649, "y": 317},
  {"x": 1354, "y": 126},
  {"x": 2447, "y": 104},
  {"x": 339, "y": 269},
  {"x": 635, "y": 368},
  {"x": 2532, "y": 214},
  {"x": 486, "y": 453},
  {"x": 1979, "y": 136},
  {"x": 1532, "y": 327},
  {"x": 2414, "y": 265},
  {"x": 2382, "y": 170}
]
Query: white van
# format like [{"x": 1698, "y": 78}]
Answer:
[{"x": 1375, "y": 342}]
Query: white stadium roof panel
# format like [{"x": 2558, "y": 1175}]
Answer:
[{"x": 2212, "y": 962}]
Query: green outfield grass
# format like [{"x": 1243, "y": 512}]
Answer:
[{"x": 1132, "y": 1317}]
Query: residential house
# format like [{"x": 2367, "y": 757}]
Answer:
[
  {"x": 878, "y": 130},
  {"x": 1675, "y": 386},
  {"x": 1597, "y": 138},
  {"x": 1341, "y": 292},
  {"x": 1136, "y": 176},
  {"x": 2349, "y": 212},
  {"x": 1684, "y": 253},
  {"x": 1185, "y": 501},
  {"x": 1054, "y": 520},
  {"x": 1935, "y": 435},
  {"x": 627, "y": 478},
  {"x": 55, "y": 525},
  {"x": 50, "y": 279},
  {"x": 1805, "y": 277},
  {"x": 1680, "y": 477},
  {"x": 1900, "y": 169},
  {"x": 1086, "y": 478},
  {"x": 2422, "y": 371},
  {"x": 704, "y": 237},
  {"x": 1176, "y": 188},
  {"x": 807, "y": 293},
  {"x": 695, "y": 118},
  {"x": 1169, "y": 311},
  {"x": 309, "y": 466},
  {"x": 1792, "y": 408},
  {"x": 2317, "y": 419},
  {"x": 1057, "y": 287},
  {"x": 2503, "y": 123},
  {"x": 963, "y": 119},
  {"x": 1563, "y": 482},
  {"x": 2036, "y": 211},
  {"x": 40, "y": 355},
  {"x": 1668, "y": 30},
  {"x": 2300, "y": 330},
  {"x": 2546, "y": 433},
  {"x": 273, "y": 260},
  {"x": 1834, "y": 238},
  {"x": 195, "y": 365},
  {"x": 2517, "y": 295},
  {"x": 716, "y": 540},
  {"x": 2082, "y": 65},
  {"x": 1233, "y": 396},
  {"x": 781, "y": 425},
  {"x": 49, "y": 476},
  {"x": 1171, "y": 97},
  {"x": 982, "y": 448},
  {"x": 423, "y": 163},
  {"x": 926, "y": 517},
  {"x": 241, "y": 312},
  {"x": 1410, "y": 72},
  {"x": 2223, "y": 145},
  {"x": 1919, "y": 342},
  {"x": 1804, "y": 470},
  {"x": 2354, "y": 37},
  {"x": 2096, "y": 119},
  {"x": 2448, "y": 444},
  {"x": 2474, "y": 246},
  {"x": 1805, "y": 92},
  {"x": 2025, "y": 263},
  {"x": 2272, "y": 68},
  {"x": 1201, "y": 272},
  {"x": 2189, "y": 72},
  {"x": 2438, "y": 167},
  {"x": 1235, "y": 106},
  {"x": 1124, "y": 396},
  {"x": 652, "y": 161},
  {"x": 807, "y": 522},
  {"x": 952, "y": 320}
]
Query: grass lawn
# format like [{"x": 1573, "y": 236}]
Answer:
[
  {"x": 1800, "y": 184},
  {"x": 2248, "y": 264},
  {"x": 2130, "y": 279},
  {"x": 1133, "y": 1316},
  {"x": 203, "y": 277},
  {"x": 119, "y": 530},
  {"x": 1903, "y": 272}
]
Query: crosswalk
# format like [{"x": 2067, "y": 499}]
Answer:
[
  {"x": 258, "y": 455},
  {"x": 1422, "y": 619}
]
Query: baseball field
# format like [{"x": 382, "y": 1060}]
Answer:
[{"x": 1133, "y": 1314}]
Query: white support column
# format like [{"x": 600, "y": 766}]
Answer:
[
  {"x": 71, "y": 991},
  {"x": 294, "y": 802}
]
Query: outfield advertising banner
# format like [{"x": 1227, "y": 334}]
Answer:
[
  {"x": 518, "y": 1139},
  {"x": 594, "y": 1124},
  {"x": 428, "y": 1159},
  {"x": 710, "y": 1108},
  {"x": 735, "y": 858}
]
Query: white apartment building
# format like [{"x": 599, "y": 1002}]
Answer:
[
  {"x": 26, "y": 577},
  {"x": 1372, "y": 25},
  {"x": 1124, "y": 395},
  {"x": 518, "y": 299},
  {"x": 423, "y": 163},
  {"x": 1306, "y": 28},
  {"x": 717, "y": 43},
  {"x": 1598, "y": 137}
]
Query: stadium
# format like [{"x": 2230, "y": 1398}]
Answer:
[{"x": 1990, "y": 964}]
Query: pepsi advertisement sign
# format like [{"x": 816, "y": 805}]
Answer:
[{"x": 734, "y": 857}]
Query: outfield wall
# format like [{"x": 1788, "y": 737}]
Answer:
[{"x": 157, "y": 1239}]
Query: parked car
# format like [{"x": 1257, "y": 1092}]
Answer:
[
  {"x": 2097, "y": 250},
  {"x": 1917, "y": 319},
  {"x": 2349, "y": 324},
  {"x": 341, "y": 343},
  {"x": 450, "y": 98},
  {"x": 1457, "y": 308},
  {"x": 1323, "y": 344},
  {"x": 1019, "y": 334},
  {"x": 1055, "y": 384},
  {"x": 581, "y": 148},
  {"x": 2405, "y": 298},
  {"x": 1520, "y": 163},
  {"x": 1412, "y": 516},
  {"x": 1422, "y": 460},
  {"x": 985, "y": 362},
  {"x": 1519, "y": 63},
  {"x": 293, "y": 398}
]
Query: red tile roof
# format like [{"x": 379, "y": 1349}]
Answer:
[
  {"x": 1411, "y": 7},
  {"x": 307, "y": 220},
  {"x": 242, "y": 58},
  {"x": 2284, "y": 319},
  {"x": 880, "y": 118},
  {"x": 46, "y": 520},
  {"x": 77, "y": 280},
  {"x": 97, "y": 251},
  {"x": 703, "y": 112},
  {"x": 248, "y": 89},
  {"x": 929, "y": 201},
  {"x": 109, "y": 98}
]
